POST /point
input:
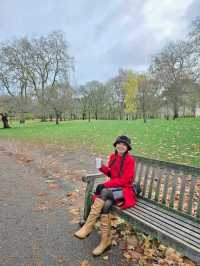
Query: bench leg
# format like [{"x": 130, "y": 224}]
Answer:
[{"x": 88, "y": 201}]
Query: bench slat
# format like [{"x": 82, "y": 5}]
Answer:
[
  {"x": 151, "y": 183},
  {"x": 172, "y": 214},
  {"x": 188, "y": 250},
  {"x": 184, "y": 232},
  {"x": 168, "y": 229},
  {"x": 165, "y": 188},
  {"x": 191, "y": 194},
  {"x": 168, "y": 215},
  {"x": 140, "y": 172},
  {"x": 198, "y": 209},
  {"x": 156, "y": 230},
  {"x": 157, "y": 190},
  {"x": 145, "y": 180},
  {"x": 137, "y": 171},
  {"x": 163, "y": 164},
  {"x": 182, "y": 192},
  {"x": 173, "y": 192}
]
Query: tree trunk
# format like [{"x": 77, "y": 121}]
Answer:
[
  {"x": 89, "y": 116},
  {"x": 22, "y": 103},
  {"x": 43, "y": 104},
  {"x": 143, "y": 108},
  {"x": 84, "y": 115},
  {"x": 193, "y": 110},
  {"x": 57, "y": 116},
  {"x": 121, "y": 112},
  {"x": 43, "y": 119},
  {"x": 167, "y": 115},
  {"x": 175, "y": 110},
  {"x": 22, "y": 119},
  {"x": 5, "y": 121},
  {"x": 57, "y": 119}
]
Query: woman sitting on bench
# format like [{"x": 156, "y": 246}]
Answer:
[{"x": 118, "y": 190}]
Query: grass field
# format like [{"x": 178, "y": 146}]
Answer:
[{"x": 176, "y": 141}]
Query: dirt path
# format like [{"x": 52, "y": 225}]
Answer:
[{"x": 37, "y": 216}]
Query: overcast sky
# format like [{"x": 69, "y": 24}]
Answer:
[{"x": 104, "y": 35}]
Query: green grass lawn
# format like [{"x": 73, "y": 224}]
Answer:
[{"x": 176, "y": 141}]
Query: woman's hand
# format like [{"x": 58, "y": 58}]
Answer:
[{"x": 99, "y": 188}]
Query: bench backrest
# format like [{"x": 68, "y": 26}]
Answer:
[{"x": 170, "y": 185}]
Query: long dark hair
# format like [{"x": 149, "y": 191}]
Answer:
[{"x": 121, "y": 163}]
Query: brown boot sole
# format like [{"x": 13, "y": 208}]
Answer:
[
  {"x": 82, "y": 237},
  {"x": 106, "y": 249}
]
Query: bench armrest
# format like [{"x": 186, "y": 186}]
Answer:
[
  {"x": 92, "y": 177},
  {"x": 90, "y": 180}
]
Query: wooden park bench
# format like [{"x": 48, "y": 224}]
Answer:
[{"x": 168, "y": 207}]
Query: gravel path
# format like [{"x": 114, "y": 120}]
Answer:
[{"x": 36, "y": 226}]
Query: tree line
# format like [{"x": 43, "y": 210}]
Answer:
[
  {"x": 35, "y": 82},
  {"x": 34, "y": 76}
]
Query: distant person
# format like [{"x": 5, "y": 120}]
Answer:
[
  {"x": 4, "y": 118},
  {"x": 118, "y": 190}
]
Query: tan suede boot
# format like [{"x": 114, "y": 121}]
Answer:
[
  {"x": 91, "y": 220},
  {"x": 105, "y": 235}
]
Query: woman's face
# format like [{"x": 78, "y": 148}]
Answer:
[{"x": 121, "y": 148}]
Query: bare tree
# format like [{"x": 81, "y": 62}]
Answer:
[
  {"x": 95, "y": 93},
  {"x": 171, "y": 68},
  {"x": 148, "y": 98},
  {"x": 59, "y": 99},
  {"x": 81, "y": 101},
  {"x": 116, "y": 95},
  {"x": 12, "y": 74},
  {"x": 49, "y": 62},
  {"x": 194, "y": 40}
]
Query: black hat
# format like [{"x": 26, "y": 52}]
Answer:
[{"x": 123, "y": 139}]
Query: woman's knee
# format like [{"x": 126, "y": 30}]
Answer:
[
  {"x": 106, "y": 194},
  {"x": 107, "y": 206}
]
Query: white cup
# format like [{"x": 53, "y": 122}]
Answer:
[{"x": 98, "y": 163}]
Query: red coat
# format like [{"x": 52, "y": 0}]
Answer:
[{"x": 125, "y": 181}]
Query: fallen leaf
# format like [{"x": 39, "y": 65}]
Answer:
[
  {"x": 135, "y": 256},
  {"x": 188, "y": 262},
  {"x": 64, "y": 200},
  {"x": 114, "y": 242},
  {"x": 132, "y": 241},
  {"x": 127, "y": 255},
  {"x": 162, "y": 247},
  {"x": 40, "y": 208},
  {"x": 163, "y": 262},
  {"x": 40, "y": 194},
  {"x": 53, "y": 186},
  {"x": 173, "y": 255},
  {"x": 85, "y": 263},
  {"x": 72, "y": 194},
  {"x": 50, "y": 181}
]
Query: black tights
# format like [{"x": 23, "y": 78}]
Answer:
[{"x": 107, "y": 196}]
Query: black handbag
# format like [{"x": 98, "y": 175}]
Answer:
[{"x": 137, "y": 189}]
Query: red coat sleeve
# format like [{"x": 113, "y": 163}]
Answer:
[
  {"x": 126, "y": 179},
  {"x": 105, "y": 169}
]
